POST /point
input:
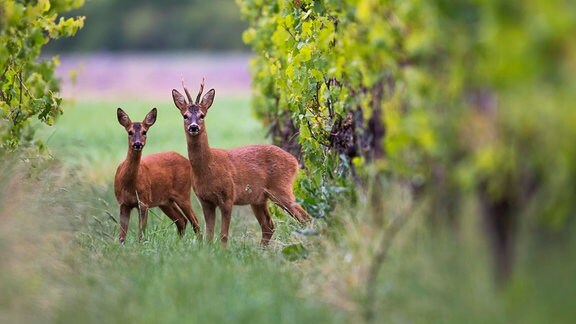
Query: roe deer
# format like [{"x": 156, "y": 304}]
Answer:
[
  {"x": 156, "y": 180},
  {"x": 248, "y": 175}
]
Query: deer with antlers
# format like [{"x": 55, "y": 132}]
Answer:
[
  {"x": 156, "y": 180},
  {"x": 248, "y": 175}
]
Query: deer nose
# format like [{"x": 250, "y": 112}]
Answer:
[
  {"x": 137, "y": 145},
  {"x": 194, "y": 128}
]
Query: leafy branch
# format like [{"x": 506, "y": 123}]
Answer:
[{"x": 28, "y": 86}]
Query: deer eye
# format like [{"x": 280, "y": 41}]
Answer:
[
  {"x": 201, "y": 117},
  {"x": 144, "y": 133},
  {"x": 185, "y": 116},
  {"x": 130, "y": 133}
]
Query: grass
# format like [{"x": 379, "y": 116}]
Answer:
[
  {"x": 60, "y": 261},
  {"x": 173, "y": 282}
]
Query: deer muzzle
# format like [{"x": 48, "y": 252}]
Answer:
[
  {"x": 137, "y": 146},
  {"x": 193, "y": 129}
]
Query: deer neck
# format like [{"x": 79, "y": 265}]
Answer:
[
  {"x": 199, "y": 152},
  {"x": 131, "y": 168}
]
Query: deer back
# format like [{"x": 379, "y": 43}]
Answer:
[{"x": 259, "y": 170}]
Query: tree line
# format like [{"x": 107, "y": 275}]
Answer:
[{"x": 156, "y": 26}]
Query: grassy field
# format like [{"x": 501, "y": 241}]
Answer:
[{"x": 60, "y": 261}]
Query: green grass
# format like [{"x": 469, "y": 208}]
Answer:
[
  {"x": 60, "y": 261},
  {"x": 173, "y": 281}
]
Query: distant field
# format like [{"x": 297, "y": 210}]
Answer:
[
  {"x": 88, "y": 135},
  {"x": 137, "y": 76}
]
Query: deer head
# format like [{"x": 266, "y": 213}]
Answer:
[
  {"x": 193, "y": 112},
  {"x": 136, "y": 131}
]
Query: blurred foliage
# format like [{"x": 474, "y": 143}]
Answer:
[
  {"x": 157, "y": 25},
  {"x": 464, "y": 101},
  {"x": 28, "y": 87}
]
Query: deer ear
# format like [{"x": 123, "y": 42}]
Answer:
[
  {"x": 150, "y": 118},
  {"x": 179, "y": 100},
  {"x": 123, "y": 118},
  {"x": 208, "y": 99}
]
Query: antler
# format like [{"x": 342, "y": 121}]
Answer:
[
  {"x": 186, "y": 90},
  {"x": 199, "y": 92},
  {"x": 188, "y": 93}
]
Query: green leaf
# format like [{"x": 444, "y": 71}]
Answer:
[
  {"x": 295, "y": 252},
  {"x": 28, "y": 85}
]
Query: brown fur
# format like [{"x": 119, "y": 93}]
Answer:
[
  {"x": 248, "y": 175},
  {"x": 157, "y": 180}
]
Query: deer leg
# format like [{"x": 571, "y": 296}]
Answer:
[
  {"x": 209, "y": 211},
  {"x": 124, "y": 220},
  {"x": 226, "y": 211},
  {"x": 266, "y": 224},
  {"x": 143, "y": 220},
  {"x": 176, "y": 217},
  {"x": 186, "y": 208}
]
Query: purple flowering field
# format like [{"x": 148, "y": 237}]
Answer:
[{"x": 151, "y": 76}]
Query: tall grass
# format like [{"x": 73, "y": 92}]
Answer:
[
  {"x": 60, "y": 260},
  {"x": 174, "y": 282}
]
